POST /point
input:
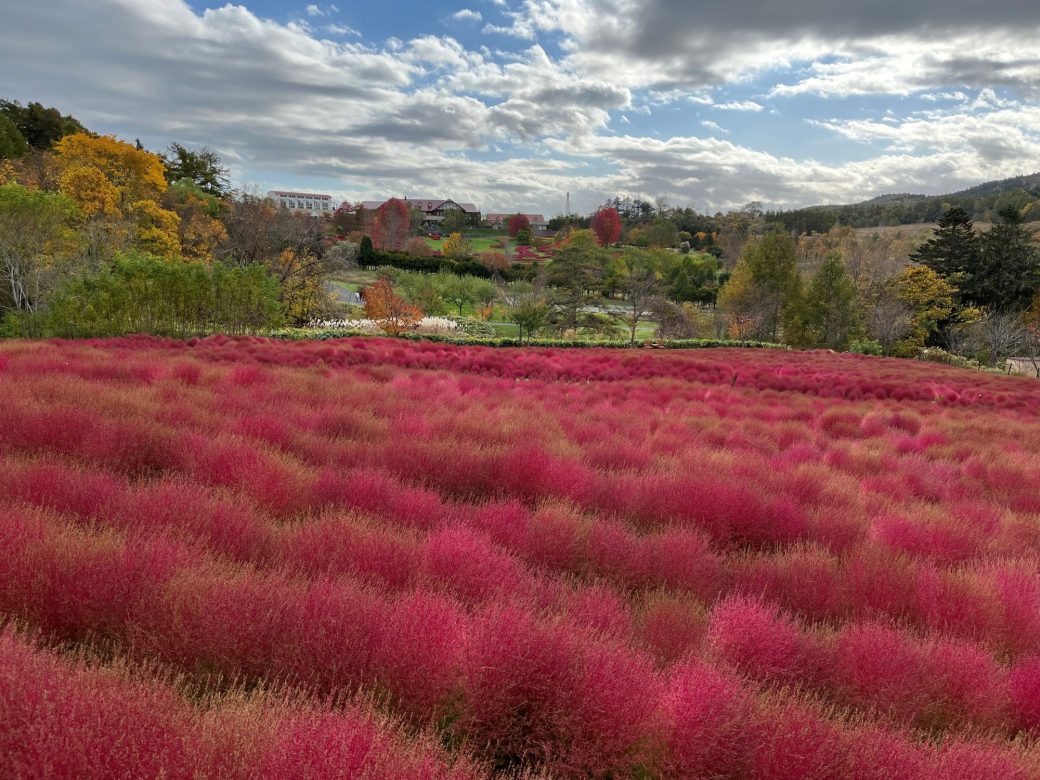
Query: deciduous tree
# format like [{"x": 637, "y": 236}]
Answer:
[
  {"x": 456, "y": 246},
  {"x": 641, "y": 286},
  {"x": 34, "y": 227},
  {"x": 516, "y": 223},
  {"x": 200, "y": 230},
  {"x": 575, "y": 276},
  {"x": 392, "y": 312},
  {"x": 392, "y": 225},
  {"x": 156, "y": 229},
  {"x": 136, "y": 174},
  {"x": 827, "y": 314},
  {"x": 930, "y": 300},
  {"x": 12, "y": 144},
  {"x": 606, "y": 224},
  {"x": 530, "y": 315},
  {"x": 763, "y": 282}
]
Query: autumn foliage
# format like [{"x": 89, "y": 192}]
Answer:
[
  {"x": 516, "y": 223},
  {"x": 392, "y": 225},
  {"x": 240, "y": 557},
  {"x": 392, "y": 312},
  {"x": 606, "y": 224}
]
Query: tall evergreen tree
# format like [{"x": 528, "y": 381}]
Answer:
[
  {"x": 954, "y": 249},
  {"x": 202, "y": 167},
  {"x": 366, "y": 251},
  {"x": 1008, "y": 274}
]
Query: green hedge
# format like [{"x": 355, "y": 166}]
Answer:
[
  {"x": 145, "y": 294},
  {"x": 433, "y": 264},
  {"x": 300, "y": 334}
]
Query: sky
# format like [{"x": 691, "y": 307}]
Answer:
[{"x": 511, "y": 104}]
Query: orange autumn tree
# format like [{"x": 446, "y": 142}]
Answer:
[{"x": 392, "y": 312}]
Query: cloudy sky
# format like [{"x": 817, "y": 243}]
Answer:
[{"x": 513, "y": 103}]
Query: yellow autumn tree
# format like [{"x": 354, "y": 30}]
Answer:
[
  {"x": 91, "y": 190},
  {"x": 930, "y": 300},
  {"x": 137, "y": 174},
  {"x": 455, "y": 246},
  {"x": 201, "y": 233},
  {"x": 156, "y": 228},
  {"x": 114, "y": 181},
  {"x": 301, "y": 281}
]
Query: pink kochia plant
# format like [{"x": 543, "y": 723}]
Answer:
[{"x": 387, "y": 558}]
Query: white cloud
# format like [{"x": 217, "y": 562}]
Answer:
[
  {"x": 467, "y": 15},
  {"x": 739, "y": 105},
  {"x": 341, "y": 29},
  {"x": 359, "y": 118}
]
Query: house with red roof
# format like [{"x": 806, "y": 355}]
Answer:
[
  {"x": 433, "y": 210},
  {"x": 536, "y": 221}
]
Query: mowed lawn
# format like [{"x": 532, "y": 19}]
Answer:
[{"x": 477, "y": 243}]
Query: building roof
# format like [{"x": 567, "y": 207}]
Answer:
[
  {"x": 284, "y": 194},
  {"x": 532, "y": 218},
  {"x": 423, "y": 204}
]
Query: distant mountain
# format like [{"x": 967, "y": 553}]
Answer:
[
  {"x": 1030, "y": 183},
  {"x": 982, "y": 201}
]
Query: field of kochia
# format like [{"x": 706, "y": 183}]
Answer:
[{"x": 373, "y": 558}]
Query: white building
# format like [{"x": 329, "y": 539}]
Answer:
[{"x": 310, "y": 202}]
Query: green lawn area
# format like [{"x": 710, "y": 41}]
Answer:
[
  {"x": 506, "y": 329},
  {"x": 477, "y": 243},
  {"x": 354, "y": 279}
]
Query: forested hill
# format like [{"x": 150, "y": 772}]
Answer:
[{"x": 982, "y": 201}]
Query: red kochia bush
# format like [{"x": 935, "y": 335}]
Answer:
[
  {"x": 712, "y": 730},
  {"x": 1025, "y": 692},
  {"x": 757, "y": 639},
  {"x": 66, "y": 719},
  {"x": 577, "y": 563},
  {"x": 544, "y": 693}
]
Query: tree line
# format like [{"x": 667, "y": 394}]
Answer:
[
  {"x": 88, "y": 221},
  {"x": 969, "y": 292},
  {"x": 91, "y": 217}
]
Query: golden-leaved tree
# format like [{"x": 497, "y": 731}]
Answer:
[
  {"x": 117, "y": 184},
  {"x": 200, "y": 229}
]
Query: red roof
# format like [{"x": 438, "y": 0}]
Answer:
[
  {"x": 423, "y": 204},
  {"x": 503, "y": 217}
]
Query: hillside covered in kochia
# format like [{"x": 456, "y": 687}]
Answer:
[{"x": 727, "y": 563}]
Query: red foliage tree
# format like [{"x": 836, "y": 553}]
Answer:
[
  {"x": 606, "y": 223},
  {"x": 516, "y": 223},
  {"x": 349, "y": 217},
  {"x": 393, "y": 225}
]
